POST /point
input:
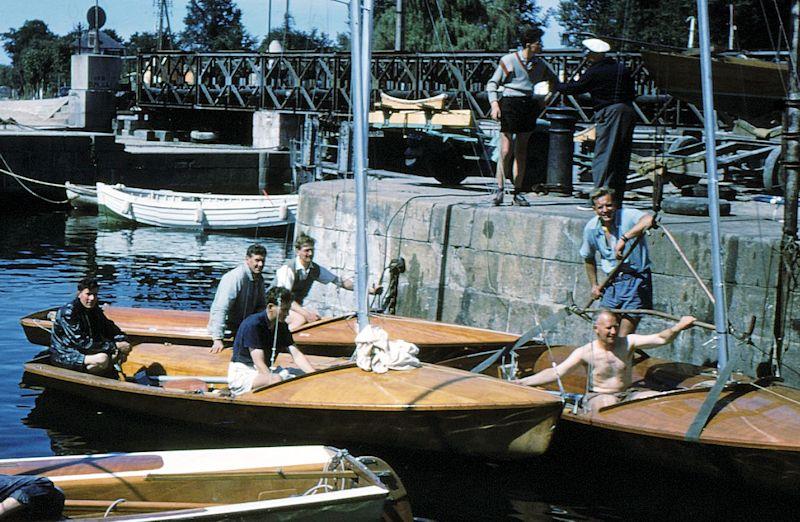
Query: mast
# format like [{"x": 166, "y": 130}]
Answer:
[
  {"x": 791, "y": 147},
  {"x": 710, "y": 124},
  {"x": 361, "y": 40}
]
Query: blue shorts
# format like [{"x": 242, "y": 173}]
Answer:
[{"x": 629, "y": 291}]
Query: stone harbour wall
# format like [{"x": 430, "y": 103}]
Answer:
[{"x": 507, "y": 267}]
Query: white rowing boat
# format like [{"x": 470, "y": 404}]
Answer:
[
  {"x": 166, "y": 208},
  {"x": 278, "y": 483}
]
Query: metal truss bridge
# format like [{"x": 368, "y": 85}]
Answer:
[{"x": 311, "y": 82}]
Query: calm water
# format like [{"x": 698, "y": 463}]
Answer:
[{"x": 42, "y": 256}]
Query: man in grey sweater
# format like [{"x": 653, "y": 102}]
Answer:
[
  {"x": 240, "y": 293},
  {"x": 515, "y": 76}
]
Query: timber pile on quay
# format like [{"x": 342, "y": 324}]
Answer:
[{"x": 507, "y": 267}]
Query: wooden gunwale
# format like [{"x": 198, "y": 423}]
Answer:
[
  {"x": 255, "y": 398},
  {"x": 678, "y": 433},
  {"x": 328, "y": 336}
]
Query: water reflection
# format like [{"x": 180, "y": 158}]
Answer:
[{"x": 43, "y": 255}]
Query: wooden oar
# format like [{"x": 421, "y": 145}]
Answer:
[
  {"x": 742, "y": 336},
  {"x": 540, "y": 328}
]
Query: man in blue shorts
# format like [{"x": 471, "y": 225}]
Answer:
[
  {"x": 610, "y": 233},
  {"x": 259, "y": 338}
]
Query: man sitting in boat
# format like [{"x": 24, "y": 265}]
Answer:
[
  {"x": 27, "y": 497},
  {"x": 260, "y": 334},
  {"x": 299, "y": 276},
  {"x": 240, "y": 293},
  {"x": 609, "y": 361},
  {"x": 83, "y": 338},
  {"x": 611, "y": 233}
]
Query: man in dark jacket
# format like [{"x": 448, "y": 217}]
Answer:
[
  {"x": 610, "y": 84},
  {"x": 83, "y": 338}
]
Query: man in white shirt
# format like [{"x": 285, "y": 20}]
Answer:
[{"x": 299, "y": 275}]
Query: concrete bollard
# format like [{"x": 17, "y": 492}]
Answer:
[{"x": 560, "y": 154}]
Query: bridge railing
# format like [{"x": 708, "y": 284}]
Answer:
[{"x": 299, "y": 81}]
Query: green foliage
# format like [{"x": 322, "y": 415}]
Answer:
[
  {"x": 144, "y": 42},
  {"x": 664, "y": 22},
  {"x": 34, "y": 52},
  {"x": 6, "y": 75},
  {"x": 294, "y": 39},
  {"x": 214, "y": 25},
  {"x": 435, "y": 25}
]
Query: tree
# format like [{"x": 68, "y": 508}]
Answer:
[
  {"x": 214, "y": 25},
  {"x": 295, "y": 39},
  {"x": 665, "y": 22},
  {"x": 144, "y": 42},
  {"x": 456, "y": 25},
  {"x": 16, "y": 41}
]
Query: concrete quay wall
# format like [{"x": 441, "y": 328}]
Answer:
[
  {"x": 507, "y": 267},
  {"x": 85, "y": 158}
]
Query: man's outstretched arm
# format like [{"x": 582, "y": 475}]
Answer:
[
  {"x": 663, "y": 337},
  {"x": 552, "y": 374}
]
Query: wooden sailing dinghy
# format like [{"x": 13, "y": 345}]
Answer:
[
  {"x": 752, "y": 438},
  {"x": 429, "y": 408},
  {"x": 331, "y": 336},
  {"x": 165, "y": 208},
  {"x": 292, "y": 482}
]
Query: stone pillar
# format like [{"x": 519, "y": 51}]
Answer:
[
  {"x": 94, "y": 79},
  {"x": 560, "y": 155},
  {"x": 273, "y": 129}
]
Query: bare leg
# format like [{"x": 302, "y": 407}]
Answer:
[
  {"x": 294, "y": 320},
  {"x": 503, "y": 165},
  {"x": 643, "y": 394},
  {"x": 262, "y": 380},
  {"x": 628, "y": 325},
  {"x": 601, "y": 401}
]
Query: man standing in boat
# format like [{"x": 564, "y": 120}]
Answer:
[
  {"x": 83, "y": 338},
  {"x": 259, "y": 339},
  {"x": 516, "y": 109},
  {"x": 240, "y": 293},
  {"x": 611, "y": 233},
  {"x": 298, "y": 277},
  {"x": 609, "y": 361},
  {"x": 610, "y": 84}
]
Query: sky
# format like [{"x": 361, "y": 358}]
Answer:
[{"x": 132, "y": 16}]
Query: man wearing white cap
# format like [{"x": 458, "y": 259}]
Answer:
[
  {"x": 517, "y": 110},
  {"x": 611, "y": 87}
]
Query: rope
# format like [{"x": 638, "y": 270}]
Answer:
[
  {"x": 754, "y": 385},
  {"x": 31, "y": 180},
  {"x": 31, "y": 192},
  {"x": 113, "y": 505}
]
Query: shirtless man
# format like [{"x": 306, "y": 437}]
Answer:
[{"x": 611, "y": 359}]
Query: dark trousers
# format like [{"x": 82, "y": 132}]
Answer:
[{"x": 612, "y": 148}]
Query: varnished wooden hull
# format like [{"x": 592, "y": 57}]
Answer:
[
  {"x": 226, "y": 484},
  {"x": 428, "y": 408},
  {"x": 332, "y": 337},
  {"x": 753, "y": 436},
  {"x": 743, "y": 87}
]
